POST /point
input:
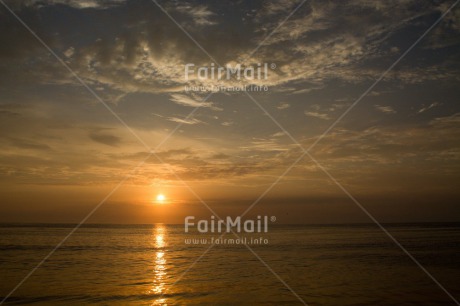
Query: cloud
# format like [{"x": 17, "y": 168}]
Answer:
[
  {"x": 270, "y": 145},
  {"x": 191, "y": 102},
  {"x": 211, "y": 166},
  {"x": 279, "y": 6},
  {"x": 317, "y": 115},
  {"x": 176, "y": 153},
  {"x": 424, "y": 109},
  {"x": 79, "y": 4},
  {"x": 27, "y": 144},
  {"x": 144, "y": 52},
  {"x": 69, "y": 52},
  {"x": 433, "y": 141},
  {"x": 185, "y": 121},
  {"x": 307, "y": 90},
  {"x": 106, "y": 139},
  {"x": 447, "y": 122},
  {"x": 200, "y": 14},
  {"x": 283, "y": 105},
  {"x": 385, "y": 109}
]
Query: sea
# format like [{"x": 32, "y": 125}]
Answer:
[{"x": 160, "y": 264}]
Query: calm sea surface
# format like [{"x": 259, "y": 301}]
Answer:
[{"x": 153, "y": 265}]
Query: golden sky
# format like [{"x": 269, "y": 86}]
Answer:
[{"x": 62, "y": 150}]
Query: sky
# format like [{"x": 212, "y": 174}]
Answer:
[{"x": 79, "y": 115}]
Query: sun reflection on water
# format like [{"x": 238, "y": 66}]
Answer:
[{"x": 159, "y": 269}]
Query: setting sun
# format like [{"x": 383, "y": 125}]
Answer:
[{"x": 160, "y": 198}]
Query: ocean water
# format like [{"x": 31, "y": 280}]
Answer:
[{"x": 154, "y": 265}]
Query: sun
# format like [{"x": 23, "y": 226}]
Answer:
[{"x": 160, "y": 198}]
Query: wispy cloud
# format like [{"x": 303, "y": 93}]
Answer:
[
  {"x": 272, "y": 144},
  {"x": 201, "y": 15},
  {"x": 106, "y": 139},
  {"x": 424, "y": 109},
  {"x": 283, "y": 105},
  {"x": 385, "y": 109},
  {"x": 185, "y": 121},
  {"x": 79, "y": 4},
  {"x": 318, "y": 115},
  {"x": 191, "y": 102}
]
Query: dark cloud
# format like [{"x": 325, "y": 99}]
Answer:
[
  {"x": 27, "y": 144},
  {"x": 133, "y": 46},
  {"x": 104, "y": 138}
]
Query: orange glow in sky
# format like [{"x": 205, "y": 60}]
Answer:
[{"x": 160, "y": 198}]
